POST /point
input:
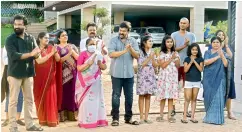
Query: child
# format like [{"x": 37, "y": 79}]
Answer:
[
  {"x": 193, "y": 66},
  {"x": 167, "y": 80},
  {"x": 146, "y": 80},
  {"x": 89, "y": 92}
]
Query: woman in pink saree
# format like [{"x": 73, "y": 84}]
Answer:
[{"x": 89, "y": 92}]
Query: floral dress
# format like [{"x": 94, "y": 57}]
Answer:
[
  {"x": 146, "y": 81},
  {"x": 167, "y": 80}
]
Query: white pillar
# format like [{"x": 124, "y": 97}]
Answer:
[
  {"x": 197, "y": 15},
  {"x": 61, "y": 21},
  {"x": 118, "y": 17},
  {"x": 68, "y": 21},
  {"x": 237, "y": 103},
  {"x": 83, "y": 32}
]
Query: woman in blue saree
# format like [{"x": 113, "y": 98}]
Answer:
[
  {"x": 214, "y": 82},
  {"x": 230, "y": 75}
]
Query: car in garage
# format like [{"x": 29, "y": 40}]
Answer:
[
  {"x": 131, "y": 33},
  {"x": 157, "y": 33},
  {"x": 74, "y": 36}
]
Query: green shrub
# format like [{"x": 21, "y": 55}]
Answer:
[{"x": 5, "y": 32}]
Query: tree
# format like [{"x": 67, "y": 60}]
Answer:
[
  {"x": 103, "y": 21},
  {"x": 221, "y": 25}
]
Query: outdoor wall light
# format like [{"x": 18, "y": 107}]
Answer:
[{"x": 53, "y": 8}]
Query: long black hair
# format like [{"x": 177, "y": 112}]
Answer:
[
  {"x": 163, "y": 44},
  {"x": 142, "y": 44},
  {"x": 216, "y": 34},
  {"x": 58, "y": 36},
  {"x": 40, "y": 36},
  {"x": 189, "y": 50}
]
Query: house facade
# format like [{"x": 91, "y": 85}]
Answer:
[{"x": 144, "y": 13}]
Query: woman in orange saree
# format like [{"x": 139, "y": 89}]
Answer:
[{"x": 45, "y": 95}]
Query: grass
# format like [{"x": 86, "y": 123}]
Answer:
[{"x": 5, "y": 32}]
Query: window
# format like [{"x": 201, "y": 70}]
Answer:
[
  {"x": 156, "y": 30},
  {"x": 142, "y": 30}
]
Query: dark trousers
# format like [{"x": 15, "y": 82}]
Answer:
[{"x": 117, "y": 85}]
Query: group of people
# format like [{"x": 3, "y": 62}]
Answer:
[{"x": 67, "y": 84}]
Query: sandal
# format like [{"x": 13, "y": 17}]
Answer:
[
  {"x": 148, "y": 121},
  {"x": 5, "y": 123},
  {"x": 20, "y": 122},
  {"x": 194, "y": 121},
  {"x": 230, "y": 116},
  {"x": 132, "y": 122},
  {"x": 172, "y": 120},
  {"x": 35, "y": 128},
  {"x": 115, "y": 123},
  {"x": 159, "y": 119},
  {"x": 184, "y": 121}
]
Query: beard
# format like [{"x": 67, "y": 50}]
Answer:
[
  {"x": 122, "y": 36},
  {"x": 19, "y": 31}
]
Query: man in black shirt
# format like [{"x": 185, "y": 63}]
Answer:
[{"x": 21, "y": 50}]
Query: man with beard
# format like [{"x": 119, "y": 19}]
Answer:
[
  {"x": 21, "y": 50},
  {"x": 92, "y": 31},
  {"x": 122, "y": 49},
  {"x": 183, "y": 39}
]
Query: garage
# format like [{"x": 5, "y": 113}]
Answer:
[
  {"x": 161, "y": 16},
  {"x": 155, "y": 16}
]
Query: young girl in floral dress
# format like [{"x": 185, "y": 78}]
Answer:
[
  {"x": 167, "y": 80},
  {"x": 146, "y": 81}
]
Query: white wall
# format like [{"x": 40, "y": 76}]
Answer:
[
  {"x": 205, "y": 4},
  {"x": 49, "y": 14}
]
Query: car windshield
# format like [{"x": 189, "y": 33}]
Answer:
[{"x": 156, "y": 30}]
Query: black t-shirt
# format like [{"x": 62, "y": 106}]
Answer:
[
  {"x": 193, "y": 74},
  {"x": 16, "y": 47}
]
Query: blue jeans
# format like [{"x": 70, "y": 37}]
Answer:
[
  {"x": 117, "y": 85},
  {"x": 20, "y": 102}
]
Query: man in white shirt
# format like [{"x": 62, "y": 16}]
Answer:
[{"x": 92, "y": 31}]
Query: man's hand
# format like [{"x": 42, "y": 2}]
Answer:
[
  {"x": 187, "y": 41},
  {"x": 128, "y": 46}
]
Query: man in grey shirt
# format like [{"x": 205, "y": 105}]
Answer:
[
  {"x": 183, "y": 39},
  {"x": 122, "y": 50}
]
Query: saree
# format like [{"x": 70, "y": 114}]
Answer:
[
  {"x": 89, "y": 95},
  {"x": 230, "y": 84},
  {"x": 45, "y": 90},
  {"x": 214, "y": 84},
  {"x": 66, "y": 78}
]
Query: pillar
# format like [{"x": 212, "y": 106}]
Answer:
[
  {"x": 61, "y": 21},
  {"x": 118, "y": 17},
  {"x": 197, "y": 15}
]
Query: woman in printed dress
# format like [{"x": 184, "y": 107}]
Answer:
[
  {"x": 146, "y": 80},
  {"x": 66, "y": 78},
  {"x": 45, "y": 83},
  {"x": 89, "y": 92},
  {"x": 167, "y": 79}
]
